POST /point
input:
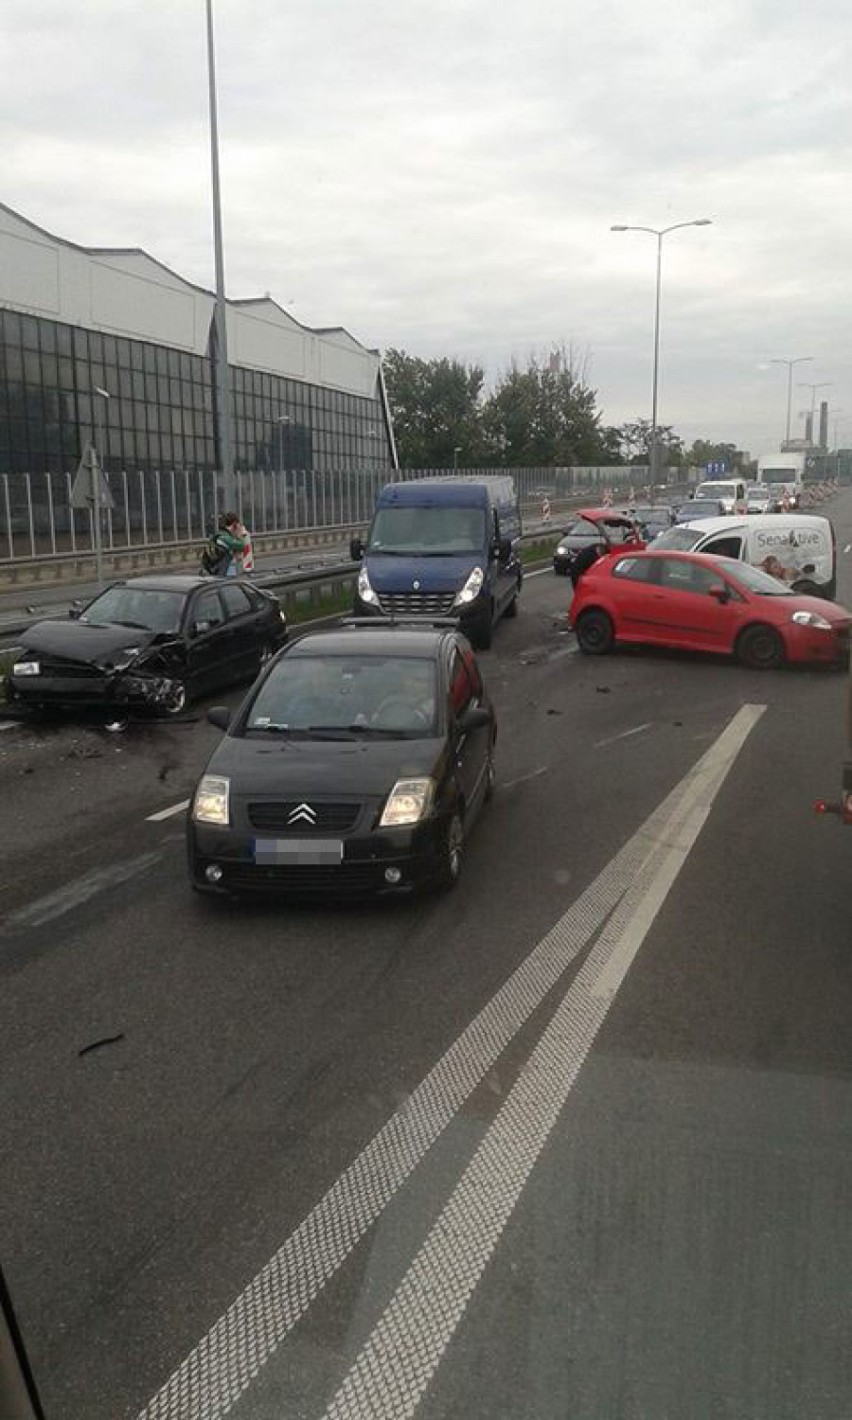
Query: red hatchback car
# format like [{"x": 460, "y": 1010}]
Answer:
[{"x": 692, "y": 602}]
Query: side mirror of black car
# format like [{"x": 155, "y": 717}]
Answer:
[
  {"x": 474, "y": 718},
  {"x": 356, "y": 549},
  {"x": 220, "y": 716},
  {"x": 504, "y": 549},
  {"x": 719, "y": 593},
  {"x": 74, "y": 612}
]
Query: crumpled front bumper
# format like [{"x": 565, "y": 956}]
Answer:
[{"x": 122, "y": 689}]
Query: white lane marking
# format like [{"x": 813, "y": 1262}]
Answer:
[
  {"x": 625, "y": 735},
  {"x": 221, "y": 1367},
  {"x": 169, "y": 813},
  {"x": 72, "y": 894},
  {"x": 542, "y": 572},
  {"x": 523, "y": 778},
  {"x": 405, "y": 1348}
]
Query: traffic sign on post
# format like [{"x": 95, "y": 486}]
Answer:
[{"x": 89, "y": 479}]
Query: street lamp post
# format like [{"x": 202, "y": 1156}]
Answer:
[
  {"x": 659, "y": 233},
  {"x": 220, "y": 319},
  {"x": 799, "y": 360},
  {"x": 456, "y": 453}
]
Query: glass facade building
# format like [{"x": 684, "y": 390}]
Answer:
[{"x": 75, "y": 320}]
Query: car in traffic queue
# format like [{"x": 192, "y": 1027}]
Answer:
[
  {"x": 798, "y": 548},
  {"x": 783, "y": 497},
  {"x": 695, "y": 602},
  {"x": 357, "y": 764},
  {"x": 696, "y": 508},
  {"x": 150, "y": 644},
  {"x": 592, "y": 526},
  {"x": 758, "y": 499},
  {"x": 652, "y": 518},
  {"x": 731, "y": 493}
]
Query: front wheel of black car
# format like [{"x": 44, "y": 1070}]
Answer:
[
  {"x": 452, "y": 853},
  {"x": 174, "y": 703}
]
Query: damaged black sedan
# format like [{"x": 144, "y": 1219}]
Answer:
[{"x": 150, "y": 644}]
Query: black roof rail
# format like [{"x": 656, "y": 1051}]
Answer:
[{"x": 408, "y": 619}]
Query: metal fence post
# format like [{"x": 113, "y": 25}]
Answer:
[
  {"x": 159, "y": 489},
  {"x": 9, "y": 535},
  {"x": 72, "y": 517},
  {"x": 28, "y": 486},
  {"x": 188, "y": 503},
  {"x": 109, "y": 512},
  {"x": 126, "y": 507},
  {"x": 48, "y": 480},
  {"x": 173, "y": 490},
  {"x": 143, "y": 504}
]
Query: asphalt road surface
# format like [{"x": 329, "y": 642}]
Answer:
[{"x": 573, "y": 1141}]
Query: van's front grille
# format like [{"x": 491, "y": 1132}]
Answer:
[{"x": 417, "y": 603}]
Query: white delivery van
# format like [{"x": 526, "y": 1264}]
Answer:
[
  {"x": 787, "y": 469},
  {"x": 730, "y": 492},
  {"x": 797, "y": 548}
]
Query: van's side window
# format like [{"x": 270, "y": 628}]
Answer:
[{"x": 725, "y": 546}]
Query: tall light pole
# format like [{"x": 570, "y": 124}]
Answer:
[
  {"x": 220, "y": 318},
  {"x": 282, "y": 420},
  {"x": 799, "y": 360},
  {"x": 824, "y": 385},
  {"x": 659, "y": 233},
  {"x": 456, "y": 453}
]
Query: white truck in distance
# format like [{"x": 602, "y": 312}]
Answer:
[{"x": 788, "y": 469}]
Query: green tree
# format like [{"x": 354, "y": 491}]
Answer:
[
  {"x": 636, "y": 443},
  {"x": 704, "y": 451},
  {"x": 545, "y": 414},
  {"x": 436, "y": 406}
]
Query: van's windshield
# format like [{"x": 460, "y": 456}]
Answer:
[
  {"x": 428, "y": 531},
  {"x": 715, "y": 490}
]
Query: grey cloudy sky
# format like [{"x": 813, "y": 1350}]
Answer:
[{"x": 441, "y": 175}]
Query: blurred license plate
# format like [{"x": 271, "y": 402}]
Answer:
[{"x": 298, "y": 850}]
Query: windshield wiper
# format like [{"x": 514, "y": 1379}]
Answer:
[{"x": 134, "y": 625}]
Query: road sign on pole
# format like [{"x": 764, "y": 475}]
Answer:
[
  {"x": 91, "y": 491},
  {"x": 89, "y": 479}
]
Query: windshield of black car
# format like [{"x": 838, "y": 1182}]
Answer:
[
  {"x": 699, "y": 508},
  {"x": 143, "y": 608},
  {"x": 357, "y": 695},
  {"x": 423, "y": 530}
]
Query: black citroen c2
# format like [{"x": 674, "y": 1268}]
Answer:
[{"x": 357, "y": 764}]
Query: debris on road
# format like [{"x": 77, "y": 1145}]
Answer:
[{"x": 97, "y": 1044}]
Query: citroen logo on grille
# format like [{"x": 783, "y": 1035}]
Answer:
[
  {"x": 303, "y": 813},
  {"x": 416, "y": 586}
]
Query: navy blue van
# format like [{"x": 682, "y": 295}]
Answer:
[{"x": 443, "y": 547}]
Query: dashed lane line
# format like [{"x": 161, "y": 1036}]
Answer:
[
  {"x": 624, "y": 735},
  {"x": 208, "y": 1383},
  {"x": 169, "y": 813},
  {"x": 78, "y": 891},
  {"x": 396, "y": 1364}
]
